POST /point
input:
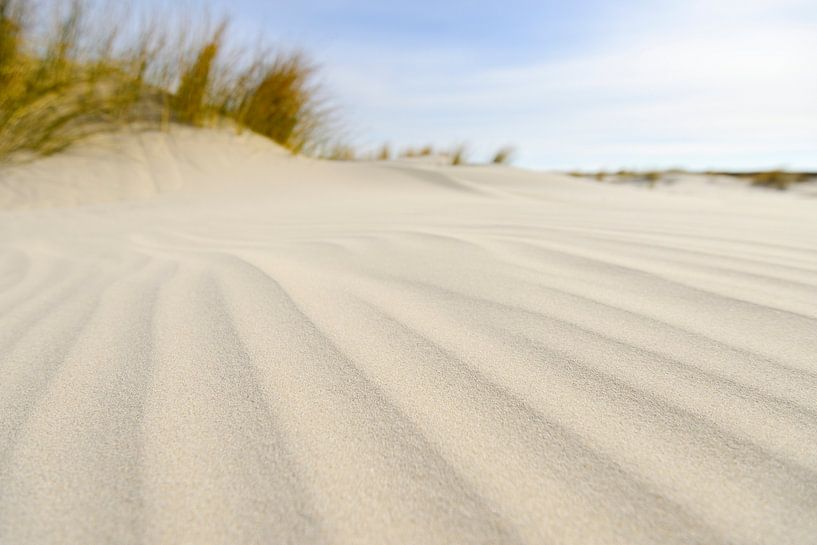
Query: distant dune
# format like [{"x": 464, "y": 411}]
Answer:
[{"x": 204, "y": 339}]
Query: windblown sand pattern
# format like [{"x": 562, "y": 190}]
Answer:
[{"x": 402, "y": 353}]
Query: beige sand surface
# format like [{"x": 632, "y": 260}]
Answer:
[{"x": 241, "y": 347}]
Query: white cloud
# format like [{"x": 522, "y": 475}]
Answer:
[{"x": 703, "y": 85}]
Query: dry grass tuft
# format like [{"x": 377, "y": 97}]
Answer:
[
  {"x": 341, "y": 152},
  {"x": 459, "y": 155},
  {"x": 64, "y": 79},
  {"x": 776, "y": 179},
  {"x": 283, "y": 104},
  {"x": 503, "y": 156},
  {"x": 190, "y": 104},
  {"x": 47, "y": 98}
]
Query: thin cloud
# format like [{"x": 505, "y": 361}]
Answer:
[{"x": 652, "y": 83}]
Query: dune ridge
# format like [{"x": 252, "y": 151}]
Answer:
[{"x": 265, "y": 349}]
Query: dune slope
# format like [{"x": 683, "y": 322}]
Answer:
[{"x": 287, "y": 351}]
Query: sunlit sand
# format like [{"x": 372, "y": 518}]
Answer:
[{"x": 206, "y": 340}]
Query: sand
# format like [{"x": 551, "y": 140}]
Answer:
[{"x": 206, "y": 341}]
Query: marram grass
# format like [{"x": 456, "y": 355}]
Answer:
[{"x": 58, "y": 85}]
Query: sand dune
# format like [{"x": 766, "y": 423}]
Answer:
[{"x": 225, "y": 344}]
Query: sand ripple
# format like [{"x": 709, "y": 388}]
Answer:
[{"x": 531, "y": 360}]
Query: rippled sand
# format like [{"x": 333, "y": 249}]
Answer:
[{"x": 284, "y": 351}]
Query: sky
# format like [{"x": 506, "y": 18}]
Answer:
[{"x": 585, "y": 84}]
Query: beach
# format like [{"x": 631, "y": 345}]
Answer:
[{"x": 204, "y": 339}]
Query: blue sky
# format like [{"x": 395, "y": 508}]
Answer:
[{"x": 584, "y": 84}]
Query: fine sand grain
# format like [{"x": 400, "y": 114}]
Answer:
[{"x": 204, "y": 340}]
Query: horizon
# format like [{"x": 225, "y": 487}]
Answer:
[{"x": 601, "y": 85}]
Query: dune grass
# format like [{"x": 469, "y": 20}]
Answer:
[
  {"x": 68, "y": 71},
  {"x": 65, "y": 76},
  {"x": 189, "y": 103},
  {"x": 773, "y": 179},
  {"x": 339, "y": 152},
  {"x": 458, "y": 155},
  {"x": 284, "y": 104},
  {"x": 652, "y": 177},
  {"x": 503, "y": 156},
  {"x": 49, "y": 97},
  {"x": 423, "y": 151}
]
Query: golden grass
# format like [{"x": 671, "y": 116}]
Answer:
[
  {"x": 459, "y": 155},
  {"x": 189, "y": 103},
  {"x": 79, "y": 71},
  {"x": 339, "y": 152},
  {"x": 66, "y": 78},
  {"x": 44, "y": 94},
  {"x": 503, "y": 156},
  {"x": 283, "y": 104},
  {"x": 774, "y": 179}
]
